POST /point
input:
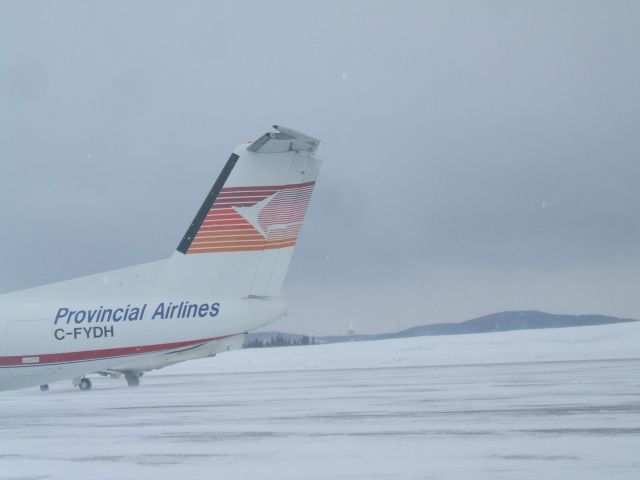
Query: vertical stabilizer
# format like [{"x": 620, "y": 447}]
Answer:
[{"x": 242, "y": 238}]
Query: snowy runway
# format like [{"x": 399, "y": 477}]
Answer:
[{"x": 570, "y": 420}]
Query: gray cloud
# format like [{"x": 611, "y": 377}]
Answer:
[{"x": 480, "y": 156}]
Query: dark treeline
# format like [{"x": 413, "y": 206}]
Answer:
[{"x": 281, "y": 341}]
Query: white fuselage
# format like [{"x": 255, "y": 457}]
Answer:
[{"x": 46, "y": 342}]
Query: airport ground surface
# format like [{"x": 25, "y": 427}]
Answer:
[{"x": 568, "y": 420}]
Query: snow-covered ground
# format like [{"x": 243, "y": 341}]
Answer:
[
  {"x": 615, "y": 341},
  {"x": 453, "y": 407}
]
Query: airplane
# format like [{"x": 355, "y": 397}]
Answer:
[{"x": 224, "y": 279}]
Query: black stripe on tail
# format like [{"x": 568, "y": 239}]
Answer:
[{"x": 185, "y": 243}]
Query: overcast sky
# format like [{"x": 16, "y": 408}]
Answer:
[{"x": 479, "y": 156}]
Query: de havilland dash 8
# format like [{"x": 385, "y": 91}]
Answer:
[{"x": 224, "y": 279}]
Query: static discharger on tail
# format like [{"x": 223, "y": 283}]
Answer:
[{"x": 224, "y": 279}]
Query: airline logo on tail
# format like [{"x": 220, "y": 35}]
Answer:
[{"x": 253, "y": 218}]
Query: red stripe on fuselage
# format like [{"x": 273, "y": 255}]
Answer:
[{"x": 105, "y": 354}]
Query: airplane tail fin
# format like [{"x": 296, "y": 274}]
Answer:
[{"x": 243, "y": 236}]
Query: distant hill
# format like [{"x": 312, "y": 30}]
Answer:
[{"x": 495, "y": 322}]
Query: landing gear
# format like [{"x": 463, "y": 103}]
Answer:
[
  {"x": 44, "y": 388},
  {"x": 133, "y": 379},
  {"x": 83, "y": 383}
]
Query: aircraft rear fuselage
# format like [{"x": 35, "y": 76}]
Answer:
[{"x": 46, "y": 342}]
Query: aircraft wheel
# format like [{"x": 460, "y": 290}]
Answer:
[
  {"x": 85, "y": 384},
  {"x": 133, "y": 379},
  {"x": 44, "y": 388}
]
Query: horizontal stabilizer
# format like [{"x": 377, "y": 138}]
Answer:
[{"x": 285, "y": 140}]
